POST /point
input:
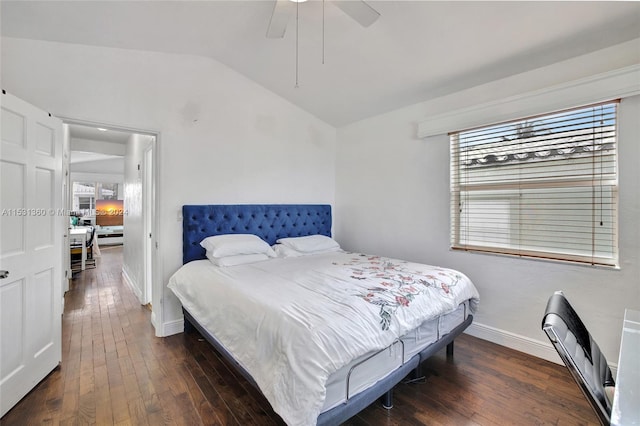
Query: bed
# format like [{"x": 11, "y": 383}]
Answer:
[{"x": 319, "y": 335}]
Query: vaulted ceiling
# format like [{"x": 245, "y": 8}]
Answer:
[{"x": 415, "y": 51}]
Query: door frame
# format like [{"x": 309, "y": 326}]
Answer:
[
  {"x": 148, "y": 197},
  {"x": 156, "y": 298},
  {"x": 66, "y": 191}
]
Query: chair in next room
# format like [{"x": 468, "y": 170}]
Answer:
[{"x": 76, "y": 252}]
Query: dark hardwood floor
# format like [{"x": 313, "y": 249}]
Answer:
[{"x": 114, "y": 371}]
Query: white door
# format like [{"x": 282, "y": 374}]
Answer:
[{"x": 31, "y": 228}]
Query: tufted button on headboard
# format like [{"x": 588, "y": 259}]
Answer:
[{"x": 268, "y": 221}]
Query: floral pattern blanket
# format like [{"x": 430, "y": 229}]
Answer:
[
  {"x": 292, "y": 322},
  {"x": 394, "y": 284}
]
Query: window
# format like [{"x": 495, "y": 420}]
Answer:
[
  {"x": 85, "y": 195},
  {"x": 107, "y": 191},
  {"x": 84, "y": 198},
  {"x": 543, "y": 187},
  {"x": 86, "y": 203}
]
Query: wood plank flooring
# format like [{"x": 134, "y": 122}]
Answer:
[{"x": 114, "y": 371}]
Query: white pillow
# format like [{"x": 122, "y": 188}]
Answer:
[
  {"x": 235, "y": 244},
  {"x": 284, "y": 251},
  {"x": 311, "y": 243},
  {"x": 239, "y": 259}
]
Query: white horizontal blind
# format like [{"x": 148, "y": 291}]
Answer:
[{"x": 545, "y": 186}]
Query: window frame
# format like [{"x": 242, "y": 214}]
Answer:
[{"x": 458, "y": 186}]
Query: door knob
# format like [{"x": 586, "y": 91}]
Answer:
[{"x": 4, "y": 274}]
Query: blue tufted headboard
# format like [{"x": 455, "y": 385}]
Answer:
[{"x": 268, "y": 221}]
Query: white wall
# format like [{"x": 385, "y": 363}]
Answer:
[
  {"x": 392, "y": 198},
  {"x": 114, "y": 166},
  {"x": 103, "y": 147},
  {"x": 109, "y": 170},
  {"x": 222, "y": 138},
  {"x": 134, "y": 238}
]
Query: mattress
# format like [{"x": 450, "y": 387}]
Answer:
[
  {"x": 367, "y": 370},
  {"x": 315, "y": 331}
]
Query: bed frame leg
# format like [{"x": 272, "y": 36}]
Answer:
[
  {"x": 416, "y": 376},
  {"x": 450, "y": 350},
  {"x": 188, "y": 327},
  {"x": 417, "y": 373},
  {"x": 387, "y": 400}
]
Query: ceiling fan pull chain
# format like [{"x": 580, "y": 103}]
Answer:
[
  {"x": 322, "y": 32},
  {"x": 297, "y": 5}
]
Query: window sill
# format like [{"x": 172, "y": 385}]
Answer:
[{"x": 541, "y": 258}]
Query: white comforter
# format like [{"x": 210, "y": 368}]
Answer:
[{"x": 293, "y": 322}]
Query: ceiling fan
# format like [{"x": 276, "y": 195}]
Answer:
[{"x": 359, "y": 10}]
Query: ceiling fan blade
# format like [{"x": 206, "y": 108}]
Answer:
[
  {"x": 279, "y": 18},
  {"x": 360, "y": 11}
]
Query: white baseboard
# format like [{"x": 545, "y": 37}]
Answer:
[
  {"x": 132, "y": 285},
  {"x": 514, "y": 341},
  {"x": 163, "y": 329},
  {"x": 172, "y": 327},
  {"x": 153, "y": 319}
]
